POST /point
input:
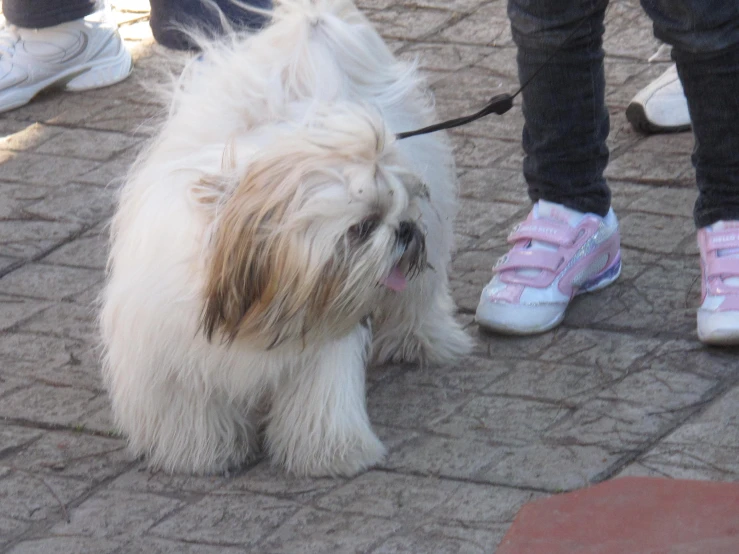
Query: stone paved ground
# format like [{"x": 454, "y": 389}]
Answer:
[{"x": 623, "y": 387}]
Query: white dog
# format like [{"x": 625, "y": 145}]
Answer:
[{"x": 273, "y": 238}]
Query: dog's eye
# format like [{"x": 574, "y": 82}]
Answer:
[{"x": 362, "y": 230}]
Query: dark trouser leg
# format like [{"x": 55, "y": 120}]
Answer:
[
  {"x": 168, "y": 15},
  {"x": 37, "y": 14},
  {"x": 566, "y": 120},
  {"x": 705, "y": 39}
]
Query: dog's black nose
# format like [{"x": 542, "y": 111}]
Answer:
[{"x": 406, "y": 231}]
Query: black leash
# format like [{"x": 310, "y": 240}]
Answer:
[{"x": 499, "y": 104}]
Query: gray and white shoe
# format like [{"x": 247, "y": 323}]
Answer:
[
  {"x": 79, "y": 55},
  {"x": 661, "y": 106}
]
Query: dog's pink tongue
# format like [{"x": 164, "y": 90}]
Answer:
[{"x": 396, "y": 280}]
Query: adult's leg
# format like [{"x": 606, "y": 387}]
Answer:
[
  {"x": 37, "y": 14},
  {"x": 169, "y": 16},
  {"x": 566, "y": 120}
]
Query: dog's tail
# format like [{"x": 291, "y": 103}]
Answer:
[
  {"x": 309, "y": 51},
  {"x": 335, "y": 31}
]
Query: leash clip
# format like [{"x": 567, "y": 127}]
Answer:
[{"x": 499, "y": 104}]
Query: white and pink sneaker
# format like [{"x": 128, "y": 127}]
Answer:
[
  {"x": 557, "y": 254},
  {"x": 718, "y": 316}
]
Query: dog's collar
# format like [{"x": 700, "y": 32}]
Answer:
[{"x": 498, "y": 104}]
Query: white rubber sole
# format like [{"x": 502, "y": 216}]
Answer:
[
  {"x": 522, "y": 319},
  {"x": 720, "y": 328},
  {"x": 94, "y": 74}
]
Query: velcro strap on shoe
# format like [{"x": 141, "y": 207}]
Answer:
[
  {"x": 529, "y": 259},
  {"x": 552, "y": 232},
  {"x": 719, "y": 240},
  {"x": 722, "y": 267}
]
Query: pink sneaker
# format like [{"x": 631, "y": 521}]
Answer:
[
  {"x": 557, "y": 254},
  {"x": 718, "y": 316}
]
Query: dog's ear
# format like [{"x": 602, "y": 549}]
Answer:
[
  {"x": 261, "y": 283},
  {"x": 209, "y": 192},
  {"x": 240, "y": 272}
]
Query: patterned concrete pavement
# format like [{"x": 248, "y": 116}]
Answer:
[{"x": 622, "y": 388}]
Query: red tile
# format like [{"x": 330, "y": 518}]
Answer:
[{"x": 633, "y": 515}]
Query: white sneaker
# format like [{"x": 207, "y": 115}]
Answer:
[
  {"x": 79, "y": 55},
  {"x": 557, "y": 254},
  {"x": 660, "y": 106}
]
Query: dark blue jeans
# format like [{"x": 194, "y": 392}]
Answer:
[
  {"x": 166, "y": 16},
  {"x": 37, "y": 14},
  {"x": 566, "y": 121}
]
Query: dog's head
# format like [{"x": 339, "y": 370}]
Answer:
[{"x": 323, "y": 222}]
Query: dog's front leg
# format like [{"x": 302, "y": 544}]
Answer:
[
  {"x": 419, "y": 325},
  {"x": 318, "y": 423}
]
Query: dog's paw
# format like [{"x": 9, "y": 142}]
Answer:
[
  {"x": 211, "y": 460},
  {"x": 448, "y": 348},
  {"x": 346, "y": 458},
  {"x": 434, "y": 345},
  {"x": 353, "y": 460}
]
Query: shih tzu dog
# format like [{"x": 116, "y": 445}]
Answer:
[{"x": 274, "y": 239}]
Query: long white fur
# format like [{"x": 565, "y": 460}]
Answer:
[{"x": 318, "y": 77}]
